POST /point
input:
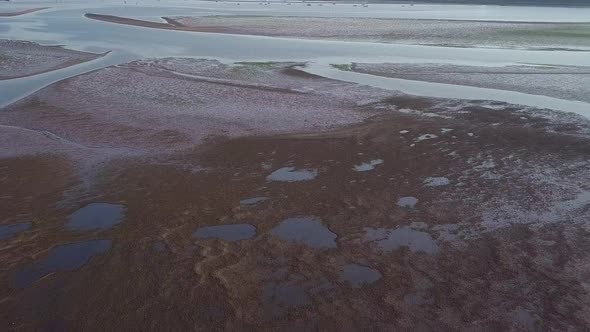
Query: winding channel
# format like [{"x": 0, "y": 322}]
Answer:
[{"x": 67, "y": 26}]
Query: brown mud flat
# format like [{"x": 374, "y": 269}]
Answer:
[
  {"x": 497, "y": 238},
  {"x": 21, "y": 12},
  {"x": 21, "y": 58},
  {"x": 511, "y": 277}
]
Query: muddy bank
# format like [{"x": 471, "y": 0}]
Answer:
[
  {"x": 22, "y": 58},
  {"x": 538, "y": 36},
  {"x": 21, "y": 12},
  {"x": 498, "y": 226},
  {"x": 175, "y": 104},
  {"x": 171, "y": 24},
  {"x": 565, "y": 82}
]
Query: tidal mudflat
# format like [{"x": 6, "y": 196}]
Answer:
[
  {"x": 21, "y": 58},
  {"x": 455, "y": 33},
  {"x": 188, "y": 192}
]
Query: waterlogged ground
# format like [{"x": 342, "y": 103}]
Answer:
[{"x": 365, "y": 208}]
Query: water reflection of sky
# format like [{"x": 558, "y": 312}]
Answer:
[{"x": 70, "y": 28}]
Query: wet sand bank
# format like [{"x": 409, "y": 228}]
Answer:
[
  {"x": 23, "y": 59},
  {"x": 448, "y": 33},
  {"x": 170, "y": 25}
]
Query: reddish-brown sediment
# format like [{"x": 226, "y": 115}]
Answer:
[
  {"x": 22, "y": 58},
  {"x": 21, "y": 12},
  {"x": 510, "y": 228},
  {"x": 499, "y": 274}
]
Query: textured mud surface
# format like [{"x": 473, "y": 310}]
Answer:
[
  {"x": 21, "y": 58},
  {"x": 474, "y": 217},
  {"x": 174, "y": 104}
]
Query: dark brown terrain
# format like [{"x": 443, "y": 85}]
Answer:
[{"x": 414, "y": 213}]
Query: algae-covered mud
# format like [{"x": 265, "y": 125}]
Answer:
[{"x": 185, "y": 180}]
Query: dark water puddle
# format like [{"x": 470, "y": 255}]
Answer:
[
  {"x": 359, "y": 275},
  {"x": 253, "y": 201},
  {"x": 436, "y": 181},
  {"x": 96, "y": 216},
  {"x": 407, "y": 202},
  {"x": 306, "y": 230},
  {"x": 8, "y": 231},
  {"x": 368, "y": 166},
  {"x": 393, "y": 239},
  {"x": 226, "y": 232},
  {"x": 66, "y": 257},
  {"x": 290, "y": 174}
]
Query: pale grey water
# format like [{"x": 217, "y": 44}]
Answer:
[
  {"x": 407, "y": 202},
  {"x": 68, "y": 26},
  {"x": 290, "y": 174},
  {"x": 368, "y": 166}
]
